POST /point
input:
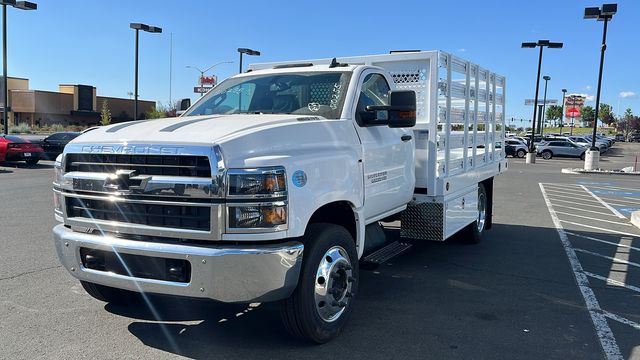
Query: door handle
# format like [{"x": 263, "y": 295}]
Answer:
[{"x": 406, "y": 137}]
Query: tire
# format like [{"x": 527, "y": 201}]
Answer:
[
  {"x": 547, "y": 155},
  {"x": 307, "y": 314},
  {"x": 109, "y": 294},
  {"x": 475, "y": 230},
  {"x": 582, "y": 156},
  {"x": 32, "y": 161},
  {"x": 521, "y": 153}
]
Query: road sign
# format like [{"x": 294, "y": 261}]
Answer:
[
  {"x": 208, "y": 80},
  {"x": 540, "y": 102},
  {"x": 201, "y": 89}
]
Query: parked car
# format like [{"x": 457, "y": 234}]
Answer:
[
  {"x": 634, "y": 138},
  {"x": 15, "y": 148},
  {"x": 560, "y": 148},
  {"x": 515, "y": 148},
  {"x": 620, "y": 137},
  {"x": 54, "y": 144},
  {"x": 601, "y": 145}
]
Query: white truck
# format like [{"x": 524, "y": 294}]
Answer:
[{"x": 272, "y": 187}]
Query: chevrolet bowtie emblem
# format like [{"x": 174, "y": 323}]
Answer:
[{"x": 125, "y": 180}]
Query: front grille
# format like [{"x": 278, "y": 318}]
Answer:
[
  {"x": 171, "y": 216},
  {"x": 169, "y": 165}
]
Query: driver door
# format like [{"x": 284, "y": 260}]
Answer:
[{"x": 388, "y": 159}]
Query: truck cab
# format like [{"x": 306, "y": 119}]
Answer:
[{"x": 272, "y": 186}]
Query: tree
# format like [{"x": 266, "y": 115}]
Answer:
[
  {"x": 554, "y": 112},
  {"x": 606, "y": 114},
  {"x": 105, "y": 114},
  {"x": 587, "y": 114},
  {"x": 628, "y": 124}
]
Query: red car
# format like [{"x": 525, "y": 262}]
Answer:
[{"x": 15, "y": 148}]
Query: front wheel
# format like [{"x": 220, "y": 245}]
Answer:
[
  {"x": 319, "y": 307},
  {"x": 521, "y": 153},
  {"x": 547, "y": 155}
]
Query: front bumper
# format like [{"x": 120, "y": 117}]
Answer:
[{"x": 244, "y": 273}]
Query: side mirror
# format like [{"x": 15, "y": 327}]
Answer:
[
  {"x": 185, "y": 104},
  {"x": 400, "y": 113}
]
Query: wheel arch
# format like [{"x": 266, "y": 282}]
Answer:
[{"x": 341, "y": 213}]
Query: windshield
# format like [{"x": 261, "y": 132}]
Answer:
[{"x": 305, "y": 93}]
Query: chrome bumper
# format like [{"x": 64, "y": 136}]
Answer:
[{"x": 225, "y": 273}]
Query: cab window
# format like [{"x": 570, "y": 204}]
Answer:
[{"x": 374, "y": 91}]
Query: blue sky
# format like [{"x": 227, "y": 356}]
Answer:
[{"x": 89, "y": 42}]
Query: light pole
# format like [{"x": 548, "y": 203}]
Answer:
[
  {"x": 603, "y": 13},
  {"x": 531, "y": 156},
  {"x": 137, "y": 27},
  {"x": 22, "y": 5},
  {"x": 207, "y": 69},
  {"x": 544, "y": 104},
  {"x": 564, "y": 92},
  {"x": 248, "y": 52}
]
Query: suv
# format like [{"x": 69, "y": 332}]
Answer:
[
  {"x": 560, "y": 148},
  {"x": 515, "y": 148}
]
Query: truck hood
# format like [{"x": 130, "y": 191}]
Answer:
[{"x": 207, "y": 129}]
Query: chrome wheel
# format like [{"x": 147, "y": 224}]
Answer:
[
  {"x": 482, "y": 211},
  {"x": 333, "y": 283}
]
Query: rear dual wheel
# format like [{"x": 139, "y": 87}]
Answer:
[
  {"x": 323, "y": 300},
  {"x": 475, "y": 230}
]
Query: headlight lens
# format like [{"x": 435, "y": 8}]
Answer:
[
  {"x": 256, "y": 183},
  {"x": 59, "y": 172},
  {"x": 257, "y": 216}
]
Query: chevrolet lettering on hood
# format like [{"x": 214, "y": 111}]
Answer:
[{"x": 132, "y": 149}]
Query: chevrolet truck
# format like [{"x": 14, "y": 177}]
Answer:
[{"x": 273, "y": 186}]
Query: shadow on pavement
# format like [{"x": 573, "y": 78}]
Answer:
[
  {"x": 23, "y": 165},
  {"x": 439, "y": 300}
]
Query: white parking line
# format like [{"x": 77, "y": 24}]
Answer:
[
  {"x": 612, "y": 281},
  {"x": 611, "y": 187},
  {"x": 577, "y": 203},
  {"x": 599, "y": 228},
  {"x": 625, "y": 321},
  {"x": 578, "y": 192},
  {"x": 592, "y": 218},
  {"x": 589, "y": 211},
  {"x": 620, "y": 200},
  {"x": 602, "y": 241},
  {"x": 618, "y": 260},
  {"x": 605, "y": 335},
  {"x": 572, "y": 197},
  {"x": 616, "y": 212}
]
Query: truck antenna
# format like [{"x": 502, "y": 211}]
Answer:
[{"x": 335, "y": 63}]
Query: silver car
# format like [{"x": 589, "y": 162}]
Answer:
[
  {"x": 601, "y": 145},
  {"x": 560, "y": 148}
]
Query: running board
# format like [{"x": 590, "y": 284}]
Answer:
[{"x": 387, "y": 252}]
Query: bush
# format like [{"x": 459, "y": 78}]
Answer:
[
  {"x": 57, "y": 128},
  {"x": 22, "y": 128}
]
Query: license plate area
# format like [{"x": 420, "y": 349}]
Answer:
[{"x": 140, "y": 266}]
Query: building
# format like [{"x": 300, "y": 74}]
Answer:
[{"x": 70, "y": 105}]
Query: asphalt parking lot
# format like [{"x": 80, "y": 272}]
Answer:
[{"x": 557, "y": 277}]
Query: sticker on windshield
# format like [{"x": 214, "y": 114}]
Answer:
[
  {"x": 313, "y": 106},
  {"x": 335, "y": 97}
]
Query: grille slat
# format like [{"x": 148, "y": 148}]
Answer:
[
  {"x": 172, "y": 216},
  {"x": 183, "y": 165}
]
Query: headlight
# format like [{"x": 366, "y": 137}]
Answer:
[
  {"x": 257, "y": 216},
  {"x": 59, "y": 171},
  {"x": 257, "y": 183}
]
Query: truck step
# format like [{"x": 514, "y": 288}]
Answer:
[{"x": 387, "y": 252}]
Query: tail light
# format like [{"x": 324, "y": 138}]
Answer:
[{"x": 13, "y": 146}]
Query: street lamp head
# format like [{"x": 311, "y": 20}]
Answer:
[
  {"x": 528, "y": 44},
  {"x": 543, "y": 42},
  {"x": 248, "y": 51},
  {"x": 154, "y": 29},
  {"x": 591, "y": 13},
  {"x": 609, "y": 9},
  {"x": 145, "y": 27},
  {"x": 546, "y": 77},
  {"x": 26, "y": 5},
  {"x": 555, "y": 45},
  {"x": 564, "y": 90},
  {"x": 606, "y": 11}
]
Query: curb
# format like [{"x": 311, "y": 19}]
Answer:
[
  {"x": 601, "y": 171},
  {"x": 635, "y": 218}
]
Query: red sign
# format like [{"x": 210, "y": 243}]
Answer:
[
  {"x": 208, "y": 80},
  {"x": 573, "y": 112}
]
